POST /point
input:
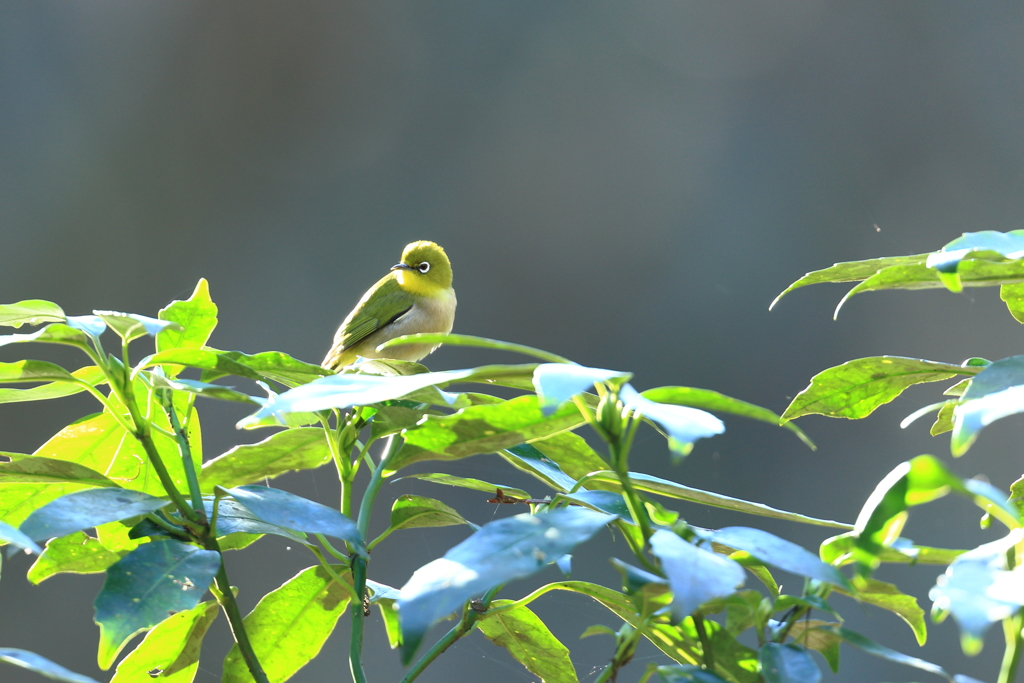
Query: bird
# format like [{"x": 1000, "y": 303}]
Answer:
[{"x": 415, "y": 297}]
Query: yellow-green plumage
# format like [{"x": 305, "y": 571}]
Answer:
[{"x": 416, "y": 296}]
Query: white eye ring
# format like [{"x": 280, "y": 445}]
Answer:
[{"x": 423, "y": 267}]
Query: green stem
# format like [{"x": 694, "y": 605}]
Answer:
[
  {"x": 186, "y": 453},
  {"x": 705, "y": 642},
  {"x": 227, "y": 602},
  {"x": 355, "y": 651},
  {"x": 142, "y": 433},
  {"x": 466, "y": 624},
  {"x": 1014, "y": 642}
]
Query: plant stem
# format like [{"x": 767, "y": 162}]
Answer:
[
  {"x": 227, "y": 602},
  {"x": 355, "y": 651},
  {"x": 186, "y": 453},
  {"x": 466, "y": 624},
  {"x": 705, "y": 642},
  {"x": 142, "y": 433},
  {"x": 1014, "y": 642}
]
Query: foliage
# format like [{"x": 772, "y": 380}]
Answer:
[{"x": 126, "y": 492}]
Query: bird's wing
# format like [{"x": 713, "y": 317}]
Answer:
[{"x": 389, "y": 302}]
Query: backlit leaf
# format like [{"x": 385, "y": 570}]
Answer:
[
  {"x": 289, "y": 625},
  {"x": 30, "y": 312},
  {"x": 196, "y": 318},
  {"x": 856, "y": 388},
  {"x": 530, "y": 642},
  {"x": 287, "y": 451},
  {"x": 466, "y": 483},
  {"x": 90, "y": 374},
  {"x": 131, "y": 326},
  {"x": 410, "y": 512},
  {"x": 76, "y": 553},
  {"x": 171, "y": 648}
]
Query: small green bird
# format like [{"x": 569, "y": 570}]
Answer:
[{"x": 416, "y": 296}]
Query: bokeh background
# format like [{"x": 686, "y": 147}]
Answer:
[{"x": 627, "y": 184}]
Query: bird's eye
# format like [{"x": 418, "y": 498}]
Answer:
[{"x": 423, "y": 267}]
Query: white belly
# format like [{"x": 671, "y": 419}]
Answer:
[{"x": 426, "y": 316}]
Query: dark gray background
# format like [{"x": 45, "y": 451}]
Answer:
[{"x": 626, "y": 184}]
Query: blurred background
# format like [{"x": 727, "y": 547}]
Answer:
[{"x": 629, "y": 185}]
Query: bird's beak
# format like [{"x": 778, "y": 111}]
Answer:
[{"x": 402, "y": 266}]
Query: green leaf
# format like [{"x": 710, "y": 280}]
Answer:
[
  {"x": 196, "y": 319},
  {"x": 705, "y": 399},
  {"x": 41, "y": 665},
  {"x": 915, "y": 482},
  {"x": 994, "y": 393},
  {"x": 392, "y": 419},
  {"x": 90, "y": 374},
  {"x": 50, "y": 471},
  {"x": 469, "y": 340},
  {"x": 529, "y": 641},
  {"x": 651, "y": 484},
  {"x": 290, "y": 624},
  {"x": 684, "y": 425},
  {"x": 695, "y": 575},
  {"x": 410, "y": 512},
  {"x": 392, "y": 624},
  {"x": 34, "y": 371},
  {"x": 294, "y": 512},
  {"x": 856, "y": 388},
  {"x": 87, "y": 509},
  {"x": 17, "y": 538},
  {"x": 788, "y": 664},
  {"x": 1013, "y": 296},
  {"x": 873, "y": 648},
  {"x": 778, "y": 552},
  {"x": 271, "y": 365},
  {"x": 556, "y": 383},
  {"x": 986, "y": 244},
  {"x": 808, "y": 632},
  {"x": 568, "y": 452},
  {"x": 129, "y": 326},
  {"x": 943, "y": 419},
  {"x": 159, "y": 380},
  {"x": 529, "y": 459},
  {"x": 147, "y": 583},
  {"x": 54, "y": 333},
  {"x": 76, "y": 553},
  {"x": 838, "y": 551},
  {"x": 171, "y": 649},
  {"x": 287, "y": 451},
  {"x": 482, "y": 429},
  {"x": 888, "y": 597},
  {"x": 30, "y": 312},
  {"x": 213, "y": 363},
  {"x": 499, "y": 552},
  {"x": 850, "y": 271},
  {"x": 467, "y": 483}
]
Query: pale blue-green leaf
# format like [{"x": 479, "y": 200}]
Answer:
[
  {"x": 565, "y": 565},
  {"x": 91, "y": 324},
  {"x": 556, "y": 383},
  {"x": 778, "y": 552},
  {"x": 153, "y": 580},
  {"x": 382, "y": 591},
  {"x": 684, "y": 425},
  {"x": 130, "y": 326},
  {"x": 695, "y": 575},
  {"x": 499, "y": 552},
  {"x": 193, "y": 386},
  {"x": 233, "y": 518},
  {"x": 603, "y": 501},
  {"x": 687, "y": 673},
  {"x": 994, "y": 393},
  {"x": 787, "y": 664},
  {"x": 18, "y": 539},
  {"x": 1007, "y": 244},
  {"x": 41, "y": 665},
  {"x": 294, "y": 512},
  {"x": 87, "y": 509}
]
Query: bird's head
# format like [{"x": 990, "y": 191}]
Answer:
[{"x": 424, "y": 269}]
